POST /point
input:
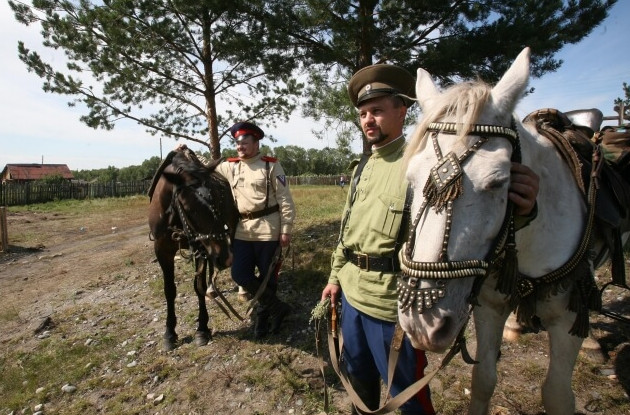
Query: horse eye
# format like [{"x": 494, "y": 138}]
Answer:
[{"x": 496, "y": 183}]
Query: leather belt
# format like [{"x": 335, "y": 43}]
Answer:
[
  {"x": 259, "y": 213},
  {"x": 372, "y": 263}
]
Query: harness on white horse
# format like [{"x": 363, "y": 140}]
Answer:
[{"x": 442, "y": 188}]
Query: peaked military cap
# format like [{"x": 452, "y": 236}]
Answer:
[
  {"x": 379, "y": 80},
  {"x": 246, "y": 128}
]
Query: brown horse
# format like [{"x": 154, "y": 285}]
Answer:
[{"x": 191, "y": 208}]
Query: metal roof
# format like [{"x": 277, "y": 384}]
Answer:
[{"x": 24, "y": 172}]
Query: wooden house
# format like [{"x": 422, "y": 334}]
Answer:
[{"x": 20, "y": 173}]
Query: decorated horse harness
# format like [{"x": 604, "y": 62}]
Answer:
[{"x": 442, "y": 188}]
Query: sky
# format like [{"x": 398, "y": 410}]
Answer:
[{"x": 38, "y": 127}]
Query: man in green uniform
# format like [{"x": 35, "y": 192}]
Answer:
[{"x": 364, "y": 264}]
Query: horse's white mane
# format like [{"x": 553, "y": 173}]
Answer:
[{"x": 461, "y": 103}]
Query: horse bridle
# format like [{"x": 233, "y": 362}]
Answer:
[
  {"x": 443, "y": 187},
  {"x": 204, "y": 196}
]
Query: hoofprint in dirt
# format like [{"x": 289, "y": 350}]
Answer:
[{"x": 82, "y": 306}]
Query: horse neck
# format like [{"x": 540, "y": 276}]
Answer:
[{"x": 554, "y": 235}]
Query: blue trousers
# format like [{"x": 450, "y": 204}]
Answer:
[
  {"x": 249, "y": 255},
  {"x": 366, "y": 343}
]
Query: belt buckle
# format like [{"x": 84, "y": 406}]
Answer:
[{"x": 363, "y": 261}]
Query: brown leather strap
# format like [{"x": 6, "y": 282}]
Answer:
[
  {"x": 335, "y": 345},
  {"x": 259, "y": 213}
]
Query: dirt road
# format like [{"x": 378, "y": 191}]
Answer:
[{"x": 92, "y": 278}]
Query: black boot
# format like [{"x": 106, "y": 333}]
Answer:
[
  {"x": 270, "y": 304},
  {"x": 261, "y": 326},
  {"x": 369, "y": 390}
]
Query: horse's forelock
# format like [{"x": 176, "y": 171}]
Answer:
[
  {"x": 461, "y": 103},
  {"x": 190, "y": 166}
]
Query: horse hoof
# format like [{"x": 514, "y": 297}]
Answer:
[
  {"x": 202, "y": 338},
  {"x": 170, "y": 343},
  {"x": 244, "y": 297},
  {"x": 512, "y": 330},
  {"x": 592, "y": 350},
  {"x": 511, "y": 335}
]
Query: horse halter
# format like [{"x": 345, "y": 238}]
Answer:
[
  {"x": 204, "y": 196},
  {"x": 443, "y": 187}
]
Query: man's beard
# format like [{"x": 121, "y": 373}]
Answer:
[{"x": 379, "y": 139}]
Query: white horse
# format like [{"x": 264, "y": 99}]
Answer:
[{"x": 459, "y": 161}]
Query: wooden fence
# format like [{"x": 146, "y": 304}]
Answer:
[
  {"x": 17, "y": 194},
  {"x": 13, "y": 194}
]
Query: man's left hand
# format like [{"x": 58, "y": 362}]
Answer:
[
  {"x": 285, "y": 239},
  {"x": 523, "y": 189}
]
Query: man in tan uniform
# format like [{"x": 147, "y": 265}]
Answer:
[{"x": 263, "y": 198}]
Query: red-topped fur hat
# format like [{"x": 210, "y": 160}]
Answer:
[{"x": 246, "y": 128}]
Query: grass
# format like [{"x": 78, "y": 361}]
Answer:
[
  {"x": 99, "y": 368},
  {"x": 201, "y": 379}
]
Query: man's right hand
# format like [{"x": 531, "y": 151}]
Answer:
[{"x": 334, "y": 292}]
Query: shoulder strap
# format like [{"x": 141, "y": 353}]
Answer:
[
  {"x": 357, "y": 176},
  {"x": 268, "y": 183},
  {"x": 404, "y": 223},
  {"x": 353, "y": 189}
]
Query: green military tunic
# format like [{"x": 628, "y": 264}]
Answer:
[{"x": 372, "y": 228}]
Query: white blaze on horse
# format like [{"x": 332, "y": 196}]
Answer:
[{"x": 459, "y": 162}]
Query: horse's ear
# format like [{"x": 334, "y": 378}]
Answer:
[
  {"x": 509, "y": 90},
  {"x": 426, "y": 90}
]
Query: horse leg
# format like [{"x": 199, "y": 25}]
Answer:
[
  {"x": 489, "y": 319},
  {"x": 167, "y": 263},
  {"x": 203, "y": 334},
  {"x": 557, "y": 395}
]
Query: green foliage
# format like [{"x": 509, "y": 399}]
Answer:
[
  {"x": 55, "y": 178},
  {"x": 189, "y": 69},
  {"x": 298, "y": 161},
  {"x": 169, "y": 66},
  {"x": 452, "y": 40},
  {"x": 622, "y": 105},
  {"x": 295, "y": 160},
  {"x": 125, "y": 174}
]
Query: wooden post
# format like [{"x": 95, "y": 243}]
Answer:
[{"x": 4, "y": 238}]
